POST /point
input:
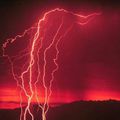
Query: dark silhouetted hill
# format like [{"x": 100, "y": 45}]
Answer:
[{"x": 82, "y": 110}]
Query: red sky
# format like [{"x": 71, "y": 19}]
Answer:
[{"x": 89, "y": 67}]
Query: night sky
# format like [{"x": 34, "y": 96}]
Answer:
[{"x": 89, "y": 58}]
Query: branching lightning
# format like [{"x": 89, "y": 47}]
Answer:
[{"x": 33, "y": 64}]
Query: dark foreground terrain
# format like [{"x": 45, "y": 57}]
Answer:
[{"x": 83, "y": 110}]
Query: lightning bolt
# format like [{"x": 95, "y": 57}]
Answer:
[{"x": 33, "y": 51}]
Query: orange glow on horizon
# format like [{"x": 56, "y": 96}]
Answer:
[
  {"x": 102, "y": 95},
  {"x": 10, "y": 99}
]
